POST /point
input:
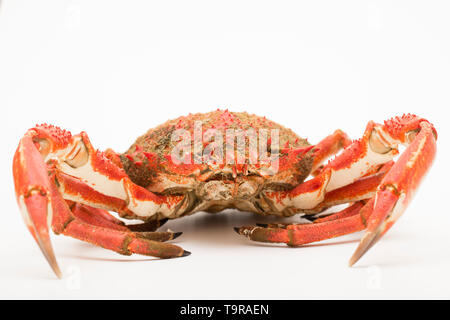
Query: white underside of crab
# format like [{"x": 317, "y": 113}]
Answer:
[
  {"x": 95, "y": 180},
  {"x": 366, "y": 164}
]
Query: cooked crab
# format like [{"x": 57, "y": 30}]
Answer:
[{"x": 186, "y": 165}]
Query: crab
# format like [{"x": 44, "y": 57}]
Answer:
[{"x": 63, "y": 183}]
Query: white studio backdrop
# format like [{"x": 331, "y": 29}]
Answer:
[{"x": 117, "y": 68}]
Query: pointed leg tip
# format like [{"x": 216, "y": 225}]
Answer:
[
  {"x": 237, "y": 229},
  {"x": 264, "y": 225},
  {"x": 309, "y": 218},
  {"x": 367, "y": 242},
  {"x": 186, "y": 253},
  {"x": 352, "y": 261},
  {"x": 47, "y": 249},
  {"x": 55, "y": 267},
  {"x": 176, "y": 235},
  {"x": 359, "y": 252},
  {"x": 163, "y": 221},
  {"x": 58, "y": 272}
]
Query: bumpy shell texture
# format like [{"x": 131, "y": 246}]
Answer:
[{"x": 216, "y": 185}]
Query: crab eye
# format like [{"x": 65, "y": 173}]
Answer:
[
  {"x": 43, "y": 145},
  {"x": 78, "y": 156},
  {"x": 376, "y": 143}
]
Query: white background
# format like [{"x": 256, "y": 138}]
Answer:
[{"x": 117, "y": 68}]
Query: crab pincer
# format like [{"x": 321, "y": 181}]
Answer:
[
  {"x": 38, "y": 181},
  {"x": 33, "y": 195},
  {"x": 387, "y": 192},
  {"x": 400, "y": 183}
]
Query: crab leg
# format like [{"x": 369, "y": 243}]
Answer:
[
  {"x": 42, "y": 164},
  {"x": 398, "y": 187},
  {"x": 360, "y": 158},
  {"x": 329, "y": 146},
  {"x": 363, "y": 188},
  {"x": 33, "y": 195},
  {"x": 299, "y": 234},
  {"x": 351, "y": 210},
  {"x": 97, "y": 181},
  {"x": 83, "y": 223},
  {"x": 378, "y": 146},
  {"x": 101, "y": 218},
  {"x": 99, "y": 214},
  {"x": 392, "y": 194},
  {"x": 347, "y": 212},
  {"x": 95, "y": 217},
  {"x": 123, "y": 242}
]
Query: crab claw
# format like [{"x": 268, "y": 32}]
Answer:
[
  {"x": 36, "y": 211},
  {"x": 377, "y": 224},
  {"x": 406, "y": 127},
  {"x": 33, "y": 189},
  {"x": 400, "y": 183}
]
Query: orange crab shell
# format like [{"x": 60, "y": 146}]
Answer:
[{"x": 148, "y": 161}]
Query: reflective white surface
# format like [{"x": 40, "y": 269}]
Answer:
[{"x": 115, "y": 69}]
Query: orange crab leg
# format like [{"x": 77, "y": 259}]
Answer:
[
  {"x": 362, "y": 157},
  {"x": 42, "y": 164},
  {"x": 33, "y": 195},
  {"x": 85, "y": 226},
  {"x": 398, "y": 187},
  {"x": 347, "y": 212},
  {"x": 299, "y": 234},
  {"x": 95, "y": 217},
  {"x": 103, "y": 218},
  {"x": 99, "y": 214},
  {"x": 395, "y": 184},
  {"x": 99, "y": 182},
  {"x": 329, "y": 146},
  {"x": 363, "y": 188},
  {"x": 377, "y": 147},
  {"x": 123, "y": 242}
]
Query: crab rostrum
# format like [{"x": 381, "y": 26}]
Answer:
[{"x": 211, "y": 162}]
